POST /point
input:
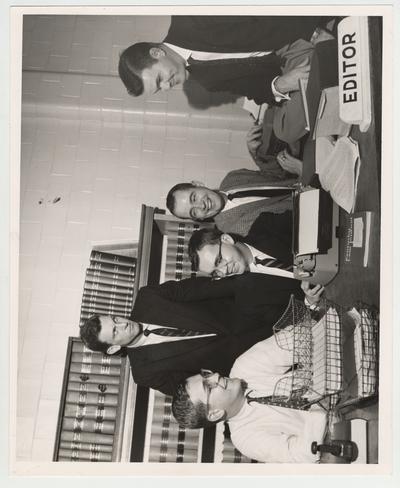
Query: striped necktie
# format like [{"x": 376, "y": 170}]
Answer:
[
  {"x": 171, "y": 332},
  {"x": 281, "y": 401},
  {"x": 266, "y": 193},
  {"x": 274, "y": 263}
]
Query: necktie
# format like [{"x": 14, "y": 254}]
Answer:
[
  {"x": 272, "y": 262},
  {"x": 266, "y": 193},
  {"x": 171, "y": 332},
  {"x": 281, "y": 401}
]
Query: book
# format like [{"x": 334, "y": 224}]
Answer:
[
  {"x": 97, "y": 295},
  {"x": 101, "y": 279},
  {"x": 112, "y": 268},
  {"x": 81, "y": 455},
  {"x": 303, "y": 89},
  {"x": 93, "y": 378},
  {"x": 109, "y": 275},
  {"x": 104, "y": 369},
  {"x": 93, "y": 387},
  {"x": 116, "y": 259},
  {"x": 84, "y": 446},
  {"x": 91, "y": 398},
  {"x": 90, "y": 411},
  {"x": 83, "y": 424},
  {"x": 88, "y": 437},
  {"x": 103, "y": 287}
]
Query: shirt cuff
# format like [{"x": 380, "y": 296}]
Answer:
[
  {"x": 311, "y": 306},
  {"x": 277, "y": 94}
]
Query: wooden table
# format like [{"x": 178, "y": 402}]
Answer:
[{"x": 355, "y": 283}]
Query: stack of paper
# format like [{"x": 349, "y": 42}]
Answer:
[{"x": 338, "y": 167}]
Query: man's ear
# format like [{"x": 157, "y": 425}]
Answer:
[
  {"x": 156, "y": 52},
  {"x": 227, "y": 239},
  {"x": 216, "y": 415},
  {"x": 113, "y": 349},
  {"x": 197, "y": 183}
]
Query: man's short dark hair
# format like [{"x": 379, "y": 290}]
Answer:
[
  {"x": 188, "y": 414},
  {"x": 170, "y": 203},
  {"x": 198, "y": 240},
  {"x": 132, "y": 62},
  {"x": 89, "y": 333}
]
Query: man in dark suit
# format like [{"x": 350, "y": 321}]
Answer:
[
  {"x": 267, "y": 248},
  {"x": 230, "y": 315},
  {"x": 260, "y": 57}
]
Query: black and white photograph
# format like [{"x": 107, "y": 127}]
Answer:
[{"x": 201, "y": 216}]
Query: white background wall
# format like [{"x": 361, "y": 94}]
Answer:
[{"x": 103, "y": 154}]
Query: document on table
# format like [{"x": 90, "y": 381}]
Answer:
[
  {"x": 308, "y": 222},
  {"x": 338, "y": 167}
]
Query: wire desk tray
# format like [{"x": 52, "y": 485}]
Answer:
[{"x": 315, "y": 340}]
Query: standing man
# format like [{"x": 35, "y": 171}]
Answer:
[{"x": 260, "y": 57}]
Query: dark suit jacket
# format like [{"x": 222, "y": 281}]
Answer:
[
  {"x": 241, "y": 310},
  {"x": 272, "y": 234},
  {"x": 247, "y": 77}
]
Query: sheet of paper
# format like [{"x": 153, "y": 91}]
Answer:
[
  {"x": 328, "y": 121},
  {"x": 358, "y": 229},
  {"x": 308, "y": 222},
  {"x": 340, "y": 173},
  {"x": 324, "y": 146}
]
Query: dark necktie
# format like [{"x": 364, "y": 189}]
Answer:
[
  {"x": 272, "y": 262},
  {"x": 170, "y": 332},
  {"x": 266, "y": 193},
  {"x": 281, "y": 401}
]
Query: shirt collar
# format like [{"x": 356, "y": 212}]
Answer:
[{"x": 184, "y": 53}]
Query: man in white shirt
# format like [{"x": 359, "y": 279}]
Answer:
[
  {"x": 265, "y": 432},
  {"x": 266, "y": 249}
]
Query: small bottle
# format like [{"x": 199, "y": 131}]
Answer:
[{"x": 346, "y": 450}]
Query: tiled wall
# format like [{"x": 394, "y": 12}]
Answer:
[{"x": 91, "y": 155}]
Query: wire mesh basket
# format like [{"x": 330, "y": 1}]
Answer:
[
  {"x": 314, "y": 338},
  {"x": 366, "y": 348}
]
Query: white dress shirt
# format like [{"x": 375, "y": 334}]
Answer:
[
  {"x": 157, "y": 339},
  {"x": 262, "y": 268},
  {"x": 205, "y": 56},
  {"x": 268, "y": 433}
]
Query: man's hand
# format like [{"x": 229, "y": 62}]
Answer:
[
  {"x": 290, "y": 163},
  {"x": 320, "y": 35},
  {"x": 290, "y": 81},
  {"x": 313, "y": 295},
  {"x": 253, "y": 139}
]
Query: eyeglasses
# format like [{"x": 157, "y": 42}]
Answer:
[
  {"x": 209, "y": 383},
  {"x": 217, "y": 274}
]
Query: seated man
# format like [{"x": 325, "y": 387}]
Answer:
[
  {"x": 260, "y": 57},
  {"x": 243, "y": 194},
  {"x": 203, "y": 323},
  {"x": 266, "y": 249},
  {"x": 260, "y": 428}
]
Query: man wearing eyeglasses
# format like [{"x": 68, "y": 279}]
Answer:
[
  {"x": 266, "y": 249},
  {"x": 214, "y": 321},
  {"x": 261, "y": 427}
]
